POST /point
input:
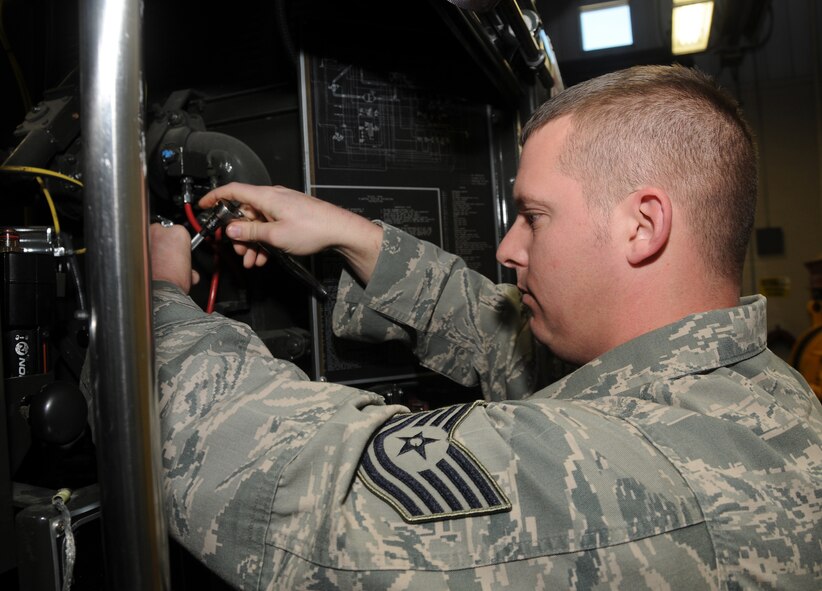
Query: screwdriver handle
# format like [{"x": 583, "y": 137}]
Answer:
[{"x": 295, "y": 268}]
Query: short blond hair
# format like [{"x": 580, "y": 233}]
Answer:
[{"x": 668, "y": 126}]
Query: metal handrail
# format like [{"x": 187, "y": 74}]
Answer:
[{"x": 121, "y": 348}]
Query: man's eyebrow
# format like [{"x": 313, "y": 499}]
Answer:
[{"x": 522, "y": 201}]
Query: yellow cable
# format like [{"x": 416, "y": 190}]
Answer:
[
  {"x": 51, "y": 205},
  {"x": 46, "y": 193},
  {"x": 41, "y": 171}
]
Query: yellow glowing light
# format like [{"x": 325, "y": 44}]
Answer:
[{"x": 691, "y": 26}]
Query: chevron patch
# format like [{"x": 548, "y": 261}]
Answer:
[{"x": 415, "y": 465}]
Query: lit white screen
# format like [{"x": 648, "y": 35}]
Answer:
[{"x": 606, "y": 27}]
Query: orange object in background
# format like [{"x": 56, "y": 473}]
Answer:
[{"x": 806, "y": 356}]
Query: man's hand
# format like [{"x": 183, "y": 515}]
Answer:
[
  {"x": 170, "y": 250},
  {"x": 297, "y": 224}
]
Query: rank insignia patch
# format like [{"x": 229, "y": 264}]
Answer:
[{"x": 415, "y": 465}]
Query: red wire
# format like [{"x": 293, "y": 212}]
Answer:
[
  {"x": 215, "y": 277},
  {"x": 192, "y": 219}
]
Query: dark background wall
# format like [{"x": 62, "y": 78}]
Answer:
[{"x": 775, "y": 74}]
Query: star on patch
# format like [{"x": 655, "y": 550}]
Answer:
[
  {"x": 442, "y": 480},
  {"x": 416, "y": 443}
]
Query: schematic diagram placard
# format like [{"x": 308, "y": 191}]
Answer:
[
  {"x": 382, "y": 122},
  {"x": 382, "y": 144}
]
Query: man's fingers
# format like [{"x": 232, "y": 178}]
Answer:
[
  {"x": 170, "y": 251},
  {"x": 175, "y": 234},
  {"x": 224, "y": 192},
  {"x": 244, "y": 230},
  {"x": 236, "y": 230},
  {"x": 244, "y": 194}
]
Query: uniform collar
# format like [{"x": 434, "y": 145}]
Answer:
[{"x": 697, "y": 343}]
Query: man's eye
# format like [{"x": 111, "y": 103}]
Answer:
[{"x": 531, "y": 218}]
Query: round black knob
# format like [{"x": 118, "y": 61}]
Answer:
[{"x": 57, "y": 413}]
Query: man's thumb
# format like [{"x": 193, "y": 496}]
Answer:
[{"x": 235, "y": 231}]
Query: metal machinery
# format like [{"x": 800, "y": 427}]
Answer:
[{"x": 411, "y": 117}]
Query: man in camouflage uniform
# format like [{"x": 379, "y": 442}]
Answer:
[{"x": 682, "y": 454}]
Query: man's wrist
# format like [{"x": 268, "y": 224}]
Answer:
[{"x": 362, "y": 247}]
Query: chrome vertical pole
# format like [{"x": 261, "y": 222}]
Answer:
[{"x": 121, "y": 349}]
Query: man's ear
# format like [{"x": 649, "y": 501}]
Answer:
[{"x": 649, "y": 224}]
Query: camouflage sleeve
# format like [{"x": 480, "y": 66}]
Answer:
[
  {"x": 277, "y": 482},
  {"x": 233, "y": 418},
  {"x": 458, "y": 322}
]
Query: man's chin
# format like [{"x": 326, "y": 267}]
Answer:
[
  {"x": 538, "y": 329},
  {"x": 561, "y": 355}
]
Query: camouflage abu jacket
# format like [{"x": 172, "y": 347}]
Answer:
[{"x": 688, "y": 458}]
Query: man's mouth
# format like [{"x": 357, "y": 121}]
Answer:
[{"x": 526, "y": 297}]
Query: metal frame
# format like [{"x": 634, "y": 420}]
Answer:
[{"x": 121, "y": 350}]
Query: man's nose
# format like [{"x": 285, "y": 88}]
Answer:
[{"x": 511, "y": 252}]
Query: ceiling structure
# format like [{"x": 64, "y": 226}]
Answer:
[{"x": 781, "y": 36}]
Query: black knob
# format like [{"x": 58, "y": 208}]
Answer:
[{"x": 57, "y": 413}]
